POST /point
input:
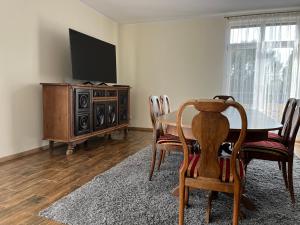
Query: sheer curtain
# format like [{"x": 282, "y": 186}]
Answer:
[{"x": 262, "y": 61}]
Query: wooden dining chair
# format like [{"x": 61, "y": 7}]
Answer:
[
  {"x": 161, "y": 140},
  {"x": 208, "y": 171},
  {"x": 165, "y": 104},
  {"x": 165, "y": 109},
  {"x": 288, "y": 111},
  {"x": 282, "y": 152},
  {"x": 225, "y": 147},
  {"x": 224, "y": 97},
  {"x": 281, "y": 135}
]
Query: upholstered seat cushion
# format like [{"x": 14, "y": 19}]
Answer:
[
  {"x": 267, "y": 147},
  {"x": 274, "y": 137},
  {"x": 171, "y": 139},
  {"x": 224, "y": 161}
]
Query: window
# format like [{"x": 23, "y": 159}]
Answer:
[{"x": 263, "y": 63}]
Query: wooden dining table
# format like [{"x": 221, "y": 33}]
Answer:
[{"x": 259, "y": 125}]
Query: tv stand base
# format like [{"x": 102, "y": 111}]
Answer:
[{"x": 74, "y": 113}]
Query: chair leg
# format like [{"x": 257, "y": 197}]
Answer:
[
  {"x": 236, "y": 206},
  {"x": 208, "y": 209},
  {"x": 279, "y": 165},
  {"x": 161, "y": 155},
  {"x": 164, "y": 156},
  {"x": 186, "y": 196},
  {"x": 181, "y": 201},
  {"x": 246, "y": 160},
  {"x": 246, "y": 163},
  {"x": 153, "y": 161},
  {"x": 284, "y": 174},
  {"x": 290, "y": 180}
]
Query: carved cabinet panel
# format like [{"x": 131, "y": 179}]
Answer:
[
  {"x": 111, "y": 114},
  {"x": 123, "y": 106},
  {"x": 99, "y": 116},
  {"x": 82, "y": 123},
  {"x": 82, "y": 100},
  {"x": 98, "y": 109}
]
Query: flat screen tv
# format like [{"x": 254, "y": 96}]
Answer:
[{"x": 92, "y": 59}]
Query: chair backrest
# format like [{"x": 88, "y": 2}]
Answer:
[
  {"x": 165, "y": 104},
  {"x": 286, "y": 117},
  {"x": 155, "y": 111},
  {"x": 295, "y": 123},
  {"x": 210, "y": 127},
  {"x": 224, "y": 97}
]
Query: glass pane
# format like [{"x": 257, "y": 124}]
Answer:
[
  {"x": 242, "y": 75},
  {"x": 278, "y": 69},
  {"x": 280, "y": 33},
  {"x": 244, "y": 35}
]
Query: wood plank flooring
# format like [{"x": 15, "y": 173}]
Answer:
[
  {"x": 31, "y": 183},
  {"x": 34, "y": 182}
]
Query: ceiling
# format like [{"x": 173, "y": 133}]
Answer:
[{"x": 134, "y": 11}]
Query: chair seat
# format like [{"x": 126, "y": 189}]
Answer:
[
  {"x": 274, "y": 137},
  {"x": 267, "y": 147},
  {"x": 172, "y": 139},
  {"x": 226, "y": 176}
]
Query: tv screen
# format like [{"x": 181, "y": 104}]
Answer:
[{"x": 92, "y": 59}]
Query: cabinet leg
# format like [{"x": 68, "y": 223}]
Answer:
[
  {"x": 85, "y": 143},
  {"x": 125, "y": 132},
  {"x": 109, "y": 137},
  {"x": 51, "y": 146},
  {"x": 70, "y": 149}
]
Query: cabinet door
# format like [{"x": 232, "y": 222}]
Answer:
[
  {"x": 83, "y": 100},
  {"x": 111, "y": 114},
  {"x": 123, "y": 106},
  {"x": 99, "y": 116},
  {"x": 82, "y": 111},
  {"x": 82, "y": 123}
]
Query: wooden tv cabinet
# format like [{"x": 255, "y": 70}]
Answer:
[{"x": 74, "y": 113}]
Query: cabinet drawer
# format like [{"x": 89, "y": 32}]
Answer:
[
  {"x": 99, "y": 93},
  {"x": 111, "y": 93}
]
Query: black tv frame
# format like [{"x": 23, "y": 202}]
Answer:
[{"x": 77, "y": 59}]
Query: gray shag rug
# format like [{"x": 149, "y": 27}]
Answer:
[{"x": 123, "y": 195}]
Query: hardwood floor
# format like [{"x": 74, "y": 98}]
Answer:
[{"x": 32, "y": 183}]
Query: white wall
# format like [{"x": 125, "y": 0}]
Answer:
[
  {"x": 183, "y": 59},
  {"x": 34, "y": 48}
]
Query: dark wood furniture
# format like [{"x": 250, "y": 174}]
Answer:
[
  {"x": 258, "y": 124},
  {"x": 226, "y": 147},
  {"x": 74, "y": 113},
  {"x": 282, "y": 152},
  {"x": 161, "y": 141},
  {"x": 208, "y": 171},
  {"x": 224, "y": 97},
  {"x": 165, "y": 104},
  {"x": 288, "y": 111}
]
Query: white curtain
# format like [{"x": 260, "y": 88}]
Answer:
[{"x": 262, "y": 61}]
